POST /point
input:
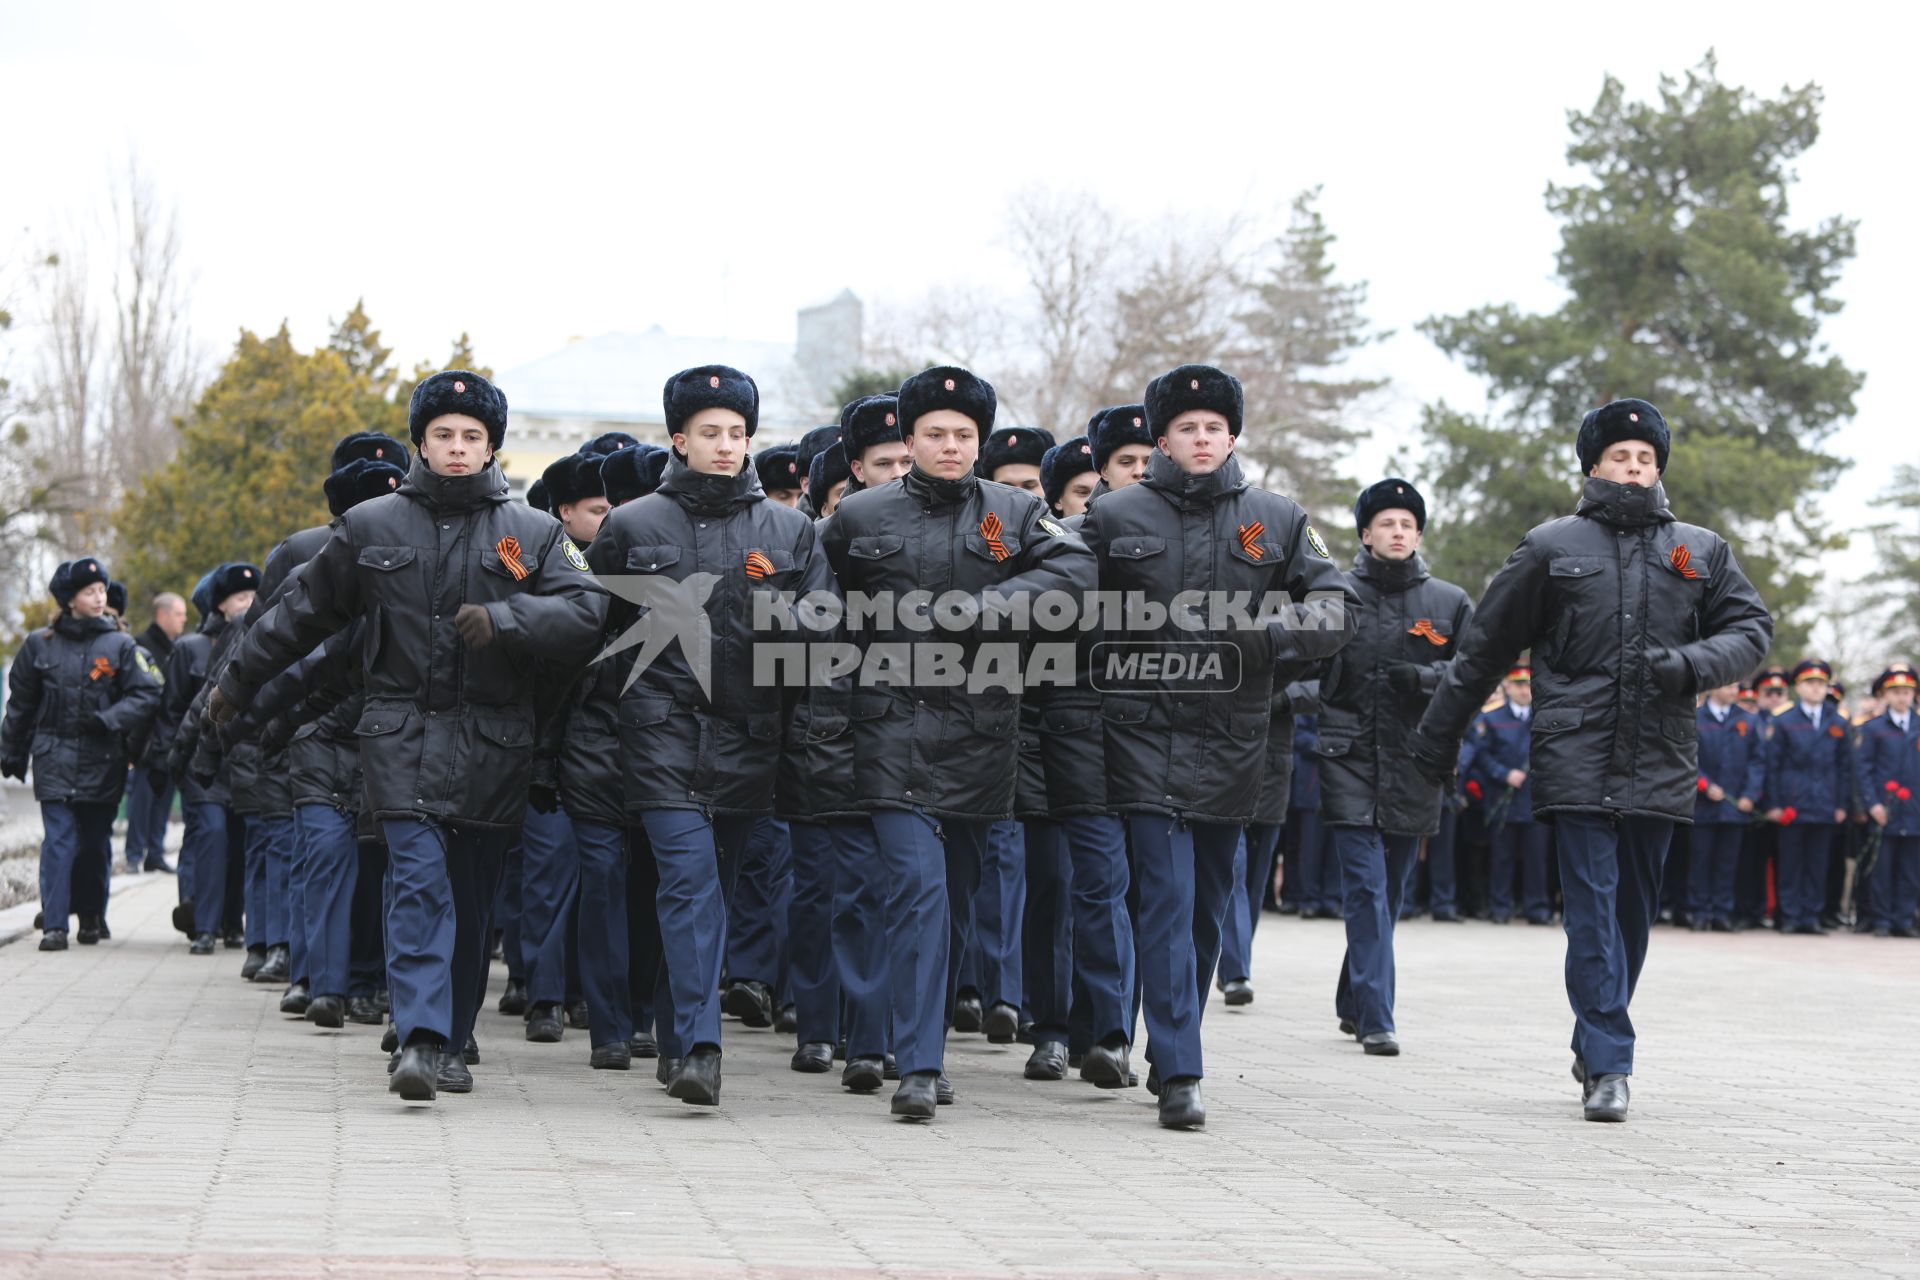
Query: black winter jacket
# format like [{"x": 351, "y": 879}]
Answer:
[
  {"x": 64, "y": 677},
  {"x": 176, "y": 730},
  {"x": 815, "y": 783}
]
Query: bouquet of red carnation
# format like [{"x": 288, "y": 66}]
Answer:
[
  {"x": 1701, "y": 786},
  {"x": 1473, "y": 789},
  {"x": 1787, "y": 815}
]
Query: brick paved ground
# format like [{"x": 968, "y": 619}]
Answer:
[{"x": 158, "y": 1116}]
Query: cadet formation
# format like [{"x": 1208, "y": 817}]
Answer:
[{"x": 699, "y": 741}]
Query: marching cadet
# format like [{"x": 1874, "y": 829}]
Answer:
[
  {"x": 1184, "y": 760},
  {"x": 699, "y": 727},
  {"x": 1068, "y": 477},
  {"x": 1501, "y": 737},
  {"x": 1253, "y": 860},
  {"x": 1122, "y": 446},
  {"x": 780, "y": 478},
  {"x": 811, "y": 446},
  {"x": 1888, "y": 772},
  {"x": 77, "y": 689},
  {"x": 931, "y": 755},
  {"x": 1733, "y": 769},
  {"x": 1628, "y": 613},
  {"x": 1809, "y": 788},
  {"x": 1406, "y": 627},
  {"x": 830, "y": 477},
  {"x": 147, "y": 811},
  {"x": 461, "y": 589}
]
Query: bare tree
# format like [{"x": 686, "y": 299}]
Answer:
[
  {"x": 1072, "y": 250},
  {"x": 155, "y": 370},
  {"x": 65, "y": 402}
]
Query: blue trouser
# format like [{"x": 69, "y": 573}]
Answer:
[
  {"x": 603, "y": 932},
  {"x": 549, "y": 887},
  {"x": 814, "y": 975},
  {"x": 645, "y": 971},
  {"x": 75, "y": 837},
  {"x": 1443, "y": 876},
  {"x": 1896, "y": 881},
  {"x": 1801, "y": 877},
  {"x": 1610, "y": 890},
  {"x": 930, "y": 868},
  {"x": 508, "y": 905},
  {"x": 203, "y": 860},
  {"x": 1374, "y": 870},
  {"x": 147, "y": 822},
  {"x": 1310, "y": 859},
  {"x": 1715, "y": 859},
  {"x": 1522, "y": 845},
  {"x": 1253, "y": 872},
  {"x": 254, "y": 868},
  {"x": 757, "y": 912},
  {"x": 860, "y": 891},
  {"x": 993, "y": 957},
  {"x": 440, "y": 886},
  {"x": 1101, "y": 936},
  {"x": 696, "y": 859},
  {"x": 329, "y": 872},
  {"x": 299, "y": 919},
  {"x": 1184, "y": 872},
  {"x": 1046, "y": 931},
  {"x": 367, "y": 950},
  {"x": 273, "y": 847}
]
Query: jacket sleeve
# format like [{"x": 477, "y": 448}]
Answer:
[
  {"x": 1866, "y": 768},
  {"x": 325, "y": 597},
  {"x": 1505, "y": 623},
  {"x": 182, "y": 678},
  {"x": 135, "y": 695},
  {"x": 560, "y": 616},
  {"x": 1775, "y": 771},
  {"x": 1432, "y": 673},
  {"x": 1735, "y": 628},
  {"x": 1322, "y": 610},
  {"x": 23, "y": 705}
]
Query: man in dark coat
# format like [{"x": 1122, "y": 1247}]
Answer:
[
  {"x": 147, "y": 811},
  {"x": 1185, "y": 757},
  {"x": 1628, "y": 614},
  {"x": 1732, "y": 776},
  {"x": 1888, "y": 772},
  {"x": 463, "y": 591}
]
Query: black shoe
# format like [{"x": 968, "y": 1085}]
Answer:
[
  {"x": 966, "y": 1013},
  {"x": 942, "y": 1090},
  {"x": 295, "y": 999},
  {"x": 1180, "y": 1104},
  {"x": 89, "y": 932},
  {"x": 1607, "y": 1099},
  {"x": 276, "y": 966},
  {"x": 1348, "y": 1028},
  {"x": 577, "y": 1016},
  {"x": 863, "y": 1075},
  {"x": 750, "y": 1002},
  {"x": 1903, "y": 931},
  {"x": 1237, "y": 991},
  {"x": 470, "y": 1052},
  {"x": 1447, "y": 915},
  {"x": 106, "y": 934},
  {"x": 235, "y": 941},
  {"x": 1025, "y": 1034},
  {"x": 1698, "y": 925},
  {"x": 643, "y": 1045},
  {"x": 697, "y": 1082},
  {"x": 545, "y": 1027},
  {"x": 327, "y": 1011},
  {"x": 1153, "y": 1080},
  {"x": 1075, "y": 1060},
  {"x": 1722, "y": 926},
  {"x": 1048, "y": 1061},
  {"x": 617, "y": 1056},
  {"x": 416, "y": 1074},
  {"x": 813, "y": 1059},
  {"x": 453, "y": 1076},
  {"x": 1380, "y": 1044},
  {"x": 362, "y": 1010},
  {"x": 160, "y": 866},
  {"x": 892, "y": 1069},
  {"x": 1289, "y": 908},
  {"x": 183, "y": 918},
  {"x": 514, "y": 999},
  {"x": 390, "y": 1042},
  {"x": 1500, "y": 917},
  {"x": 1580, "y": 1074},
  {"x": 1000, "y": 1024},
  {"x": 251, "y": 966},
  {"x": 665, "y": 1069},
  {"x": 917, "y": 1096},
  {"x": 56, "y": 940},
  {"x": 1105, "y": 1066},
  {"x": 787, "y": 1022},
  {"x": 1829, "y": 922},
  {"x": 1539, "y": 920},
  {"x": 203, "y": 945}
]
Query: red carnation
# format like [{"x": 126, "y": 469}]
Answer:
[
  {"x": 1892, "y": 786},
  {"x": 1700, "y": 785},
  {"x": 1787, "y": 815},
  {"x": 1473, "y": 788},
  {"x": 1904, "y": 794}
]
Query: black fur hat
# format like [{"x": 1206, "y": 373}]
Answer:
[
  {"x": 829, "y": 468},
  {"x": 633, "y": 472},
  {"x": 359, "y": 480},
  {"x": 813, "y": 442},
  {"x": 1391, "y": 494},
  {"x": 1063, "y": 462},
  {"x": 778, "y": 467},
  {"x": 606, "y": 443},
  {"x": 537, "y": 496},
  {"x": 1193, "y": 386},
  {"x": 947, "y": 387},
  {"x": 869, "y": 421},
  {"x": 1013, "y": 446},
  {"x": 711, "y": 386},
  {"x": 573, "y": 478},
  {"x": 1622, "y": 420},
  {"x": 372, "y": 446},
  {"x": 75, "y": 576},
  {"x": 1123, "y": 424},
  {"x": 117, "y": 597},
  {"x": 458, "y": 391},
  {"x": 231, "y": 579}
]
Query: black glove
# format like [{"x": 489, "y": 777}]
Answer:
[
  {"x": 1672, "y": 672},
  {"x": 542, "y": 798},
  {"x": 1404, "y": 679},
  {"x": 158, "y": 782},
  {"x": 1431, "y": 760},
  {"x": 219, "y": 709},
  {"x": 15, "y": 769},
  {"x": 475, "y": 625}
]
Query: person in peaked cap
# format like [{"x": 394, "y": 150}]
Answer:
[
  {"x": 1068, "y": 475},
  {"x": 699, "y": 732},
  {"x": 1887, "y": 773},
  {"x": 1809, "y": 788},
  {"x": 1760, "y": 846},
  {"x": 1012, "y": 455},
  {"x": 779, "y": 471},
  {"x": 1613, "y": 747},
  {"x": 454, "y": 626},
  {"x": 1186, "y": 771},
  {"x": 828, "y": 482},
  {"x": 75, "y": 692},
  {"x": 1733, "y": 772},
  {"x": 931, "y": 759},
  {"x": 1122, "y": 444},
  {"x": 1501, "y": 738},
  {"x": 876, "y": 442}
]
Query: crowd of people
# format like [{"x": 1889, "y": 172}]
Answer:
[{"x": 678, "y": 739}]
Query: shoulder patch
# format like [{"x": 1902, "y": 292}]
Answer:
[
  {"x": 574, "y": 557},
  {"x": 144, "y": 661},
  {"x": 1319, "y": 547},
  {"x": 1052, "y": 528}
]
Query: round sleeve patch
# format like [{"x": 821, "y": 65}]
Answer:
[
  {"x": 574, "y": 557},
  {"x": 1319, "y": 547},
  {"x": 1052, "y": 528}
]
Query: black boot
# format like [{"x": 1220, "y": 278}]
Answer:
[
  {"x": 203, "y": 945},
  {"x": 275, "y": 968},
  {"x": 1048, "y": 1061},
  {"x": 1607, "y": 1100},
  {"x": 295, "y": 1000},
  {"x": 917, "y": 1096},
  {"x": 1237, "y": 991},
  {"x": 363, "y": 1010},
  {"x": 697, "y": 1082},
  {"x": 1180, "y": 1104},
  {"x": 89, "y": 933},
  {"x": 327, "y": 1011},
  {"x": 250, "y": 967},
  {"x": 750, "y": 1002},
  {"x": 813, "y": 1059},
  {"x": 617, "y": 1056},
  {"x": 1001, "y": 1024},
  {"x": 545, "y": 1027},
  {"x": 1105, "y": 1065},
  {"x": 416, "y": 1075},
  {"x": 514, "y": 998},
  {"x": 863, "y": 1075},
  {"x": 54, "y": 940}
]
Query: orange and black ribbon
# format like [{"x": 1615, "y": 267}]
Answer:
[
  {"x": 1424, "y": 629},
  {"x": 102, "y": 670},
  {"x": 990, "y": 529},
  {"x": 758, "y": 566},
  {"x": 509, "y": 549},
  {"x": 1682, "y": 561},
  {"x": 1250, "y": 540}
]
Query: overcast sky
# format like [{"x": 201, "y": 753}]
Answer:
[{"x": 534, "y": 172}]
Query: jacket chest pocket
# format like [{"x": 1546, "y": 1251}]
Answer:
[
  {"x": 664, "y": 560},
  {"x": 503, "y": 567},
  {"x": 986, "y": 550},
  {"x": 389, "y": 575},
  {"x": 1250, "y": 547},
  {"x": 874, "y": 559},
  {"x": 1138, "y": 560},
  {"x": 1425, "y": 639},
  {"x": 769, "y": 567}
]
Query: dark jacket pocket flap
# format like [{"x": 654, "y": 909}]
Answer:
[
  {"x": 1558, "y": 720},
  {"x": 876, "y": 546},
  {"x": 510, "y": 732},
  {"x": 380, "y": 719},
  {"x": 1068, "y": 719},
  {"x": 763, "y": 728},
  {"x": 387, "y": 558},
  {"x": 649, "y": 559},
  {"x": 491, "y": 561},
  {"x": 1124, "y": 710},
  {"x": 641, "y": 712},
  {"x": 1135, "y": 546},
  {"x": 977, "y": 543},
  {"x": 1573, "y": 566},
  {"x": 1333, "y": 746},
  {"x": 870, "y": 706}
]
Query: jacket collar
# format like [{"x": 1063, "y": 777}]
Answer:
[
  {"x": 456, "y": 493},
  {"x": 154, "y": 640},
  {"x": 932, "y": 491},
  {"x": 1190, "y": 492},
  {"x": 1624, "y": 506},
  {"x": 1391, "y": 576},
  {"x": 82, "y": 628},
  {"x": 709, "y": 495}
]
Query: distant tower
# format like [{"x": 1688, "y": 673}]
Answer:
[{"x": 827, "y": 347}]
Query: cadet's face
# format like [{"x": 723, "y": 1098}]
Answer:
[
  {"x": 1073, "y": 498},
  {"x": 881, "y": 463},
  {"x": 1899, "y": 699},
  {"x": 945, "y": 443},
  {"x": 1629, "y": 462},
  {"x": 1812, "y": 689},
  {"x": 1126, "y": 465},
  {"x": 1519, "y": 692},
  {"x": 1392, "y": 535},
  {"x": 1021, "y": 475},
  {"x": 90, "y": 601},
  {"x": 236, "y": 604},
  {"x": 714, "y": 442},
  {"x": 1198, "y": 442},
  {"x": 455, "y": 445},
  {"x": 834, "y": 493},
  {"x": 785, "y": 497},
  {"x": 582, "y": 519}
]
